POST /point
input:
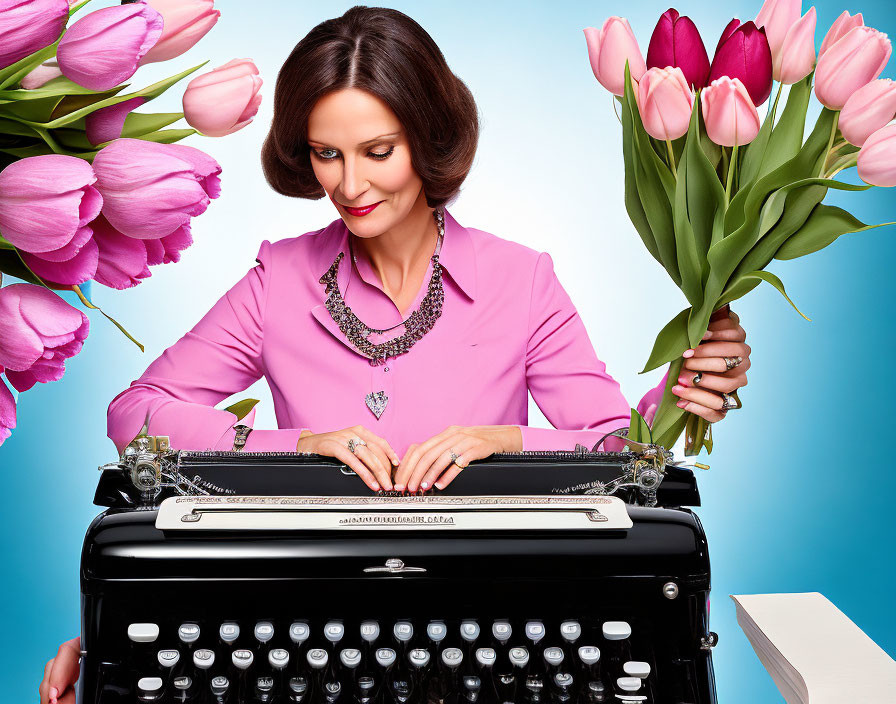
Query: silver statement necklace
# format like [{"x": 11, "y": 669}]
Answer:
[{"x": 417, "y": 324}]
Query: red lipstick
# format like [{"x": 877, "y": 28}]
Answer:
[{"x": 359, "y": 212}]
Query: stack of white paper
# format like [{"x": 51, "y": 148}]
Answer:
[{"x": 813, "y": 652}]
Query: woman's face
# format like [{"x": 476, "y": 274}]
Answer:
[{"x": 360, "y": 156}]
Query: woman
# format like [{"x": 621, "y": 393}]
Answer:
[{"x": 367, "y": 112}]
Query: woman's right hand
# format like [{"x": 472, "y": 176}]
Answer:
[
  {"x": 372, "y": 462},
  {"x": 60, "y": 674}
]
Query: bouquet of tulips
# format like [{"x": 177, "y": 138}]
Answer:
[
  {"x": 89, "y": 189},
  {"x": 715, "y": 192}
]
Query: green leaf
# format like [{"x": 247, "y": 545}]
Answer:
[
  {"x": 638, "y": 429},
  {"x": 769, "y": 277},
  {"x": 168, "y": 136},
  {"x": 138, "y": 124},
  {"x": 242, "y": 407},
  {"x": 14, "y": 127},
  {"x": 825, "y": 224},
  {"x": 754, "y": 152},
  {"x": 670, "y": 343},
  {"x": 5, "y": 244},
  {"x": 787, "y": 137},
  {"x": 738, "y": 289},
  {"x": 705, "y": 195},
  {"x": 14, "y": 73},
  {"x": 57, "y": 87}
]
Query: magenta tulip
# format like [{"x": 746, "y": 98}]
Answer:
[
  {"x": 27, "y": 26},
  {"x": 46, "y": 203},
  {"x": 38, "y": 332},
  {"x": 665, "y": 101},
  {"x": 186, "y": 22},
  {"x": 877, "y": 157},
  {"x": 101, "y": 50},
  {"x": 868, "y": 109},
  {"x": 7, "y": 410},
  {"x": 851, "y": 62},
  {"x": 729, "y": 113},
  {"x": 676, "y": 42},
  {"x": 72, "y": 264},
  {"x": 796, "y": 58},
  {"x": 224, "y": 100},
  {"x": 124, "y": 261},
  {"x": 838, "y": 30},
  {"x": 44, "y": 73},
  {"x": 743, "y": 53},
  {"x": 777, "y": 17},
  {"x": 608, "y": 50},
  {"x": 106, "y": 124},
  {"x": 151, "y": 190}
]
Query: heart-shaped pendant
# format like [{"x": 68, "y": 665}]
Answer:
[{"x": 376, "y": 402}]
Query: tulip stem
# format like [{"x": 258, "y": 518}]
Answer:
[
  {"x": 831, "y": 138},
  {"x": 773, "y": 107},
  {"x": 731, "y": 166},
  {"x": 672, "y": 159}
]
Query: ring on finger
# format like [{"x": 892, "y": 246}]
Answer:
[
  {"x": 454, "y": 458},
  {"x": 732, "y": 362},
  {"x": 355, "y": 442},
  {"x": 697, "y": 378},
  {"x": 729, "y": 401}
]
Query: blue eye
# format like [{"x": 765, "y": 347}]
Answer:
[{"x": 379, "y": 156}]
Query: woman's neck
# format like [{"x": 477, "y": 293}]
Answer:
[{"x": 400, "y": 256}]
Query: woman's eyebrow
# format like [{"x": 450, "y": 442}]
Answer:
[{"x": 361, "y": 144}]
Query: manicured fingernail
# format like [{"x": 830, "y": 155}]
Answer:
[
  {"x": 439, "y": 486},
  {"x": 424, "y": 486},
  {"x": 707, "y": 334},
  {"x": 676, "y": 389},
  {"x": 376, "y": 487},
  {"x": 396, "y": 461},
  {"x": 688, "y": 353},
  {"x": 683, "y": 380},
  {"x": 682, "y": 403},
  {"x": 54, "y": 693},
  {"x": 399, "y": 487}
]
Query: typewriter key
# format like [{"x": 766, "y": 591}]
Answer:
[
  {"x": 298, "y": 690},
  {"x": 436, "y": 631},
  {"x": 150, "y": 689},
  {"x": 472, "y": 687},
  {"x": 534, "y": 631},
  {"x": 228, "y": 634},
  {"x": 188, "y": 634},
  {"x": 278, "y": 659},
  {"x": 334, "y": 632},
  {"x": 563, "y": 682},
  {"x": 365, "y": 689},
  {"x": 264, "y": 690},
  {"x": 220, "y": 690},
  {"x": 636, "y": 668},
  {"x": 264, "y": 631},
  {"x": 184, "y": 689}
]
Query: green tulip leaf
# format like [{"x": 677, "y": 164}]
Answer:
[
  {"x": 168, "y": 136},
  {"x": 670, "y": 343},
  {"x": 769, "y": 277},
  {"x": 242, "y": 407},
  {"x": 4, "y": 244},
  {"x": 787, "y": 137},
  {"x": 638, "y": 429},
  {"x": 57, "y": 88},
  {"x": 754, "y": 152},
  {"x": 825, "y": 224}
]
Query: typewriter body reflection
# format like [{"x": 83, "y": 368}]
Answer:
[{"x": 224, "y": 577}]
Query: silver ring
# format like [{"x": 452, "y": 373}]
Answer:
[
  {"x": 732, "y": 362},
  {"x": 697, "y": 378},
  {"x": 454, "y": 457},
  {"x": 729, "y": 402},
  {"x": 353, "y": 443}
]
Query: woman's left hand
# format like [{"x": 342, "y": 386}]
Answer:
[
  {"x": 429, "y": 463},
  {"x": 724, "y": 338}
]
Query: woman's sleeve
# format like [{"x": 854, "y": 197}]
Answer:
[
  {"x": 219, "y": 357},
  {"x": 568, "y": 382}
]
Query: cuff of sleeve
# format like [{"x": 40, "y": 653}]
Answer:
[{"x": 283, "y": 440}]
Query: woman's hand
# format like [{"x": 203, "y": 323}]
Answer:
[
  {"x": 372, "y": 462},
  {"x": 706, "y": 363},
  {"x": 60, "y": 674},
  {"x": 429, "y": 463}
]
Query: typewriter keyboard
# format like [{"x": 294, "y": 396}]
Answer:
[{"x": 384, "y": 661}]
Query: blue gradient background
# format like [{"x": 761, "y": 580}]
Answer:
[{"x": 798, "y": 495}]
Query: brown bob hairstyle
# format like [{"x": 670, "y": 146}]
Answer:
[{"x": 389, "y": 55}]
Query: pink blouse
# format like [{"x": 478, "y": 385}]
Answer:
[{"x": 507, "y": 327}]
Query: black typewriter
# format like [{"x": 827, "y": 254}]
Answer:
[{"x": 534, "y": 577}]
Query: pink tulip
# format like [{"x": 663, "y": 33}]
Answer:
[
  {"x": 101, "y": 50},
  {"x": 124, "y": 261},
  {"x": 224, "y": 100},
  {"x": 105, "y": 124},
  {"x": 868, "y": 109},
  {"x": 27, "y": 26},
  {"x": 46, "y": 203},
  {"x": 608, "y": 50},
  {"x": 796, "y": 58},
  {"x": 778, "y": 16},
  {"x": 841, "y": 26},
  {"x": 47, "y": 71},
  {"x": 186, "y": 22},
  {"x": 743, "y": 53},
  {"x": 665, "y": 100},
  {"x": 729, "y": 113},
  {"x": 851, "y": 62},
  {"x": 877, "y": 157},
  {"x": 150, "y": 190},
  {"x": 7, "y": 410},
  {"x": 676, "y": 42},
  {"x": 38, "y": 332}
]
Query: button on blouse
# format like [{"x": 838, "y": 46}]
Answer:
[{"x": 507, "y": 328}]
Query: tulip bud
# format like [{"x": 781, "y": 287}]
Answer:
[
  {"x": 777, "y": 17},
  {"x": 7, "y": 411},
  {"x": 867, "y": 110},
  {"x": 841, "y": 26},
  {"x": 186, "y": 22},
  {"x": 665, "y": 101},
  {"x": 106, "y": 124},
  {"x": 796, "y": 58},
  {"x": 676, "y": 42},
  {"x": 608, "y": 50},
  {"x": 877, "y": 157},
  {"x": 851, "y": 62},
  {"x": 729, "y": 113},
  {"x": 744, "y": 53},
  {"x": 224, "y": 100},
  {"x": 44, "y": 73},
  {"x": 27, "y": 26},
  {"x": 101, "y": 49}
]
